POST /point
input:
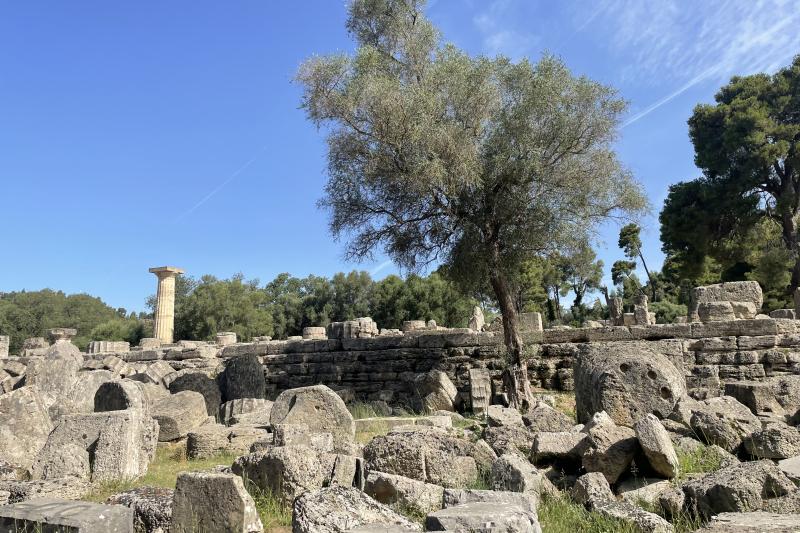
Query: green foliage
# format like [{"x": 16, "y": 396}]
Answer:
[
  {"x": 30, "y": 314},
  {"x": 743, "y": 212},
  {"x": 481, "y": 162},
  {"x": 562, "y": 515},
  {"x": 222, "y": 305},
  {"x": 130, "y": 329},
  {"x": 666, "y": 311},
  {"x": 701, "y": 460}
]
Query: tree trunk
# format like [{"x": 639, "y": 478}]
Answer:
[
  {"x": 515, "y": 376},
  {"x": 789, "y": 229},
  {"x": 649, "y": 276}
]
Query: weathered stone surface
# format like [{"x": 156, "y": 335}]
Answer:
[
  {"x": 477, "y": 320},
  {"x": 625, "y": 381},
  {"x": 498, "y": 416},
  {"x": 178, "y": 414},
  {"x": 736, "y": 488},
  {"x": 791, "y": 467},
  {"x": 49, "y": 514},
  {"x": 151, "y": 506},
  {"x": 409, "y": 493},
  {"x": 243, "y": 377},
  {"x": 213, "y": 439},
  {"x": 24, "y": 425},
  {"x": 758, "y": 396},
  {"x": 320, "y": 408},
  {"x": 54, "y": 378},
  {"x": 360, "y": 328},
  {"x": 646, "y": 490},
  {"x": 286, "y": 471},
  {"x": 118, "y": 395},
  {"x": 67, "y": 488},
  {"x": 723, "y": 421},
  {"x": 545, "y": 418},
  {"x": 609, "y": 448},
  {"x": 509, "y": 439},
  {"x": 775, "y": 440},
  {"x": 636, "y": 516},
  {"x": 735, "y": 291},
  {"x": 254, "y": 411},
  {"x": 433, "y": 391},
  {"x": 201, "y": 383},
  {"x": 563, "y": 445},
  {"x": 752, "y": 521},
  {"x": 515, "y": 474},
  {"x": 211, "y": 501},
  {"x": 339, "y": 509},
  {"x": 592, "y": 489},
  {"x": 429, "y": 455},
  {"x": 657, "y": 446},
  {"x": 480, "y": 390},
  {"x": 118, "y": 445},
  {"x": 300, "y": 434},
  {"x": 715, "y": 311},
  {"x": 80, "y": 398},
  {"x": 483, "y": 516}
]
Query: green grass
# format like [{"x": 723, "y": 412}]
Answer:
[
  {"x": 171, "y": 459},
  {"x": 163, "y": 471},
  {"x": 273, "y": 512},
  {"x": 699, "y": 461},
  {"x": 562, "y": 515},
  {"x": 361, "y": 410}
]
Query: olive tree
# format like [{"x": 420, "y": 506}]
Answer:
[{"x": 435, "y": 156}]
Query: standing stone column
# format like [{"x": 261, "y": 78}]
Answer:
[{"x": 165, "y": 302}]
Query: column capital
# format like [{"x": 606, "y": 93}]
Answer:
[{"x": 160, "y": 271}]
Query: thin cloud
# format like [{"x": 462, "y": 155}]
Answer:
[
  {"x": 222, "y": 185},
  {"x": 380, "y": 267}
]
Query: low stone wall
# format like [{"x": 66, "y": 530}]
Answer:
[{"x": 383, "y": 367}]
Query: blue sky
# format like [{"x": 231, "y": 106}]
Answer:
[{"x": 138, "y": 134}]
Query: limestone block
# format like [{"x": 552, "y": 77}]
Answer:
[
  {"x": 434, "y": 392},
  {"x": 211, "y": 501},
  {"x": 178, "y": 414},
  {"x": 497, "y": 416},
  {"x": 480, "y": 386},
  {"x": 627, "y": 381},
  {"x": 243, "y": 377},
  {"x": 200, "y": 382},
  {"x": 108, "y": 346},
  {"x": 256, "y": 410},
  {"x": 151, "y": 506},
  {"x": 157, "y": 371},
  {"x": 314, "y": 333},
  {"x": 80, "y": 398},
  {"x": 657, "y": 446},
  {"x": 118, "y": 395},
  {"x": 736, "y": 291},
  {"x": 68, "y": 488},
  {"x": 54, "y": 377},
  {"x": 337, "y": 509},
  {"x": 319, "y": 408},
  {"x": 477, "y": 320},
  {"x": 752, "y": 521},
  {"x": 48, "y": 514},
  {"x": 413, "y": 325},
  {"x": 118, "y": 366},
  {"x": 224, "y": 338},
  {"x": 24, "y": 425},
  {"x": 121, "y": 444},
  {"x": 758, "y": 396},
  {"x": 640, "y": 490},
  {"x": 513, "y": 473},
  {"x": 530, "y": 322},
  {"x": 475, "y": 517},
  {"x": 214, "y": 439},
  {"x": 286, "y": 471},
  {"x": 775, "y": 440},
  {"x": 635, "y": 516},
  {"x": 740, "y": 487},
  {"x": 409, "y": 493},
  {"x": 592, "y": 489},
  {"x": 359, "y": 328},
  {"x": 610, "y": 448},
  {"x": 715, "y": 311},
  {"x": 542, "y": 417},
  {"x": 783, "y": 313},
  {"x": 566, "y": 445}
]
